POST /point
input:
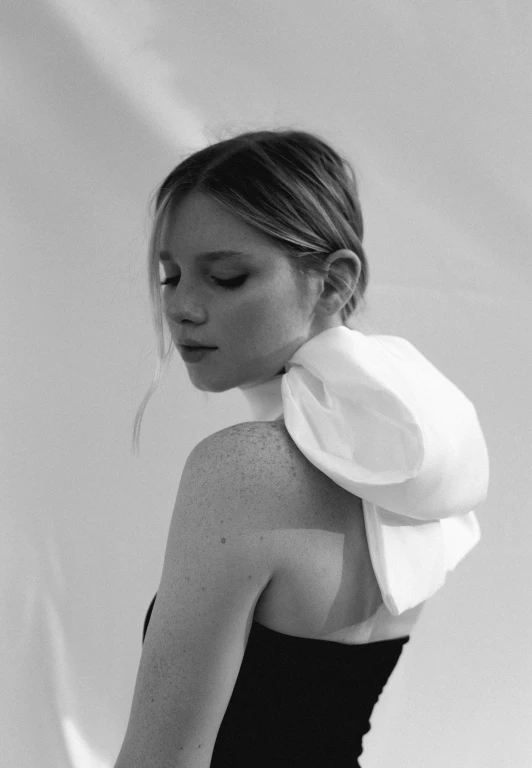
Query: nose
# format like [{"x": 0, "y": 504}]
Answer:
[{"x": 182, "y": 307}]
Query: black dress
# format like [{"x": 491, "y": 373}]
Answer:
[{"x": 301, "y": 703}]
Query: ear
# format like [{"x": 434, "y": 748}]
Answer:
[
  {"x": 345, "y": 259},
  {"x": 346, "y": 265}
]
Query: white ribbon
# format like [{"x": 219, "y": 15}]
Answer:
[{"x": 374, "y": 415}]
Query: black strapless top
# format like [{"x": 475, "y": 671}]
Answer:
[{"x": 301, "y": 703}]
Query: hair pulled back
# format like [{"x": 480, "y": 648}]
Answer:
[{"x": 288, "y": 184}]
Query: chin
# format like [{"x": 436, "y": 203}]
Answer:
[{"x": 204, "y": 386}]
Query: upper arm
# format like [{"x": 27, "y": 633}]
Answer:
[{"x": 215, "y": 568}]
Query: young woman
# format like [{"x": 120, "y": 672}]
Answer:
[{"x": 303, "y": 544}]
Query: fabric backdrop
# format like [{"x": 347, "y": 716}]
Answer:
[{"x": 431, "y": 102}]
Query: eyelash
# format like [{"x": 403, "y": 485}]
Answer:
[{"x": 234, "y": 282}]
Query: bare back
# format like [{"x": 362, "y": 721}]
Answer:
[{"x": 324, "y": 585}]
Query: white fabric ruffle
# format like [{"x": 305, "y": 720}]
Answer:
[{"x": 374, "y": 415}]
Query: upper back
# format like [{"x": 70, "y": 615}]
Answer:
[{"x": 323, "y": 584}]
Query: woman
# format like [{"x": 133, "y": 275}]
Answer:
[{"x": 303, "y": 544}]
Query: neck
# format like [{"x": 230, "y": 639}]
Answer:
[{"x": 265, "y": 400}]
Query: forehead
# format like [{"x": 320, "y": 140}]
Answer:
[{"x": 199, "y": 226}]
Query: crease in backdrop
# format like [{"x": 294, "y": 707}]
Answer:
[{"x": 99, "y": 100}]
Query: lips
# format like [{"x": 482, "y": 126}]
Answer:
[
  {"x": 195, "y": 354},
  {"x": 189, "y": 346}
]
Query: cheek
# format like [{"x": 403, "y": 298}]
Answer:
[
  {"x": 268, "y": 318},
  {"x": 249, "y": 319}
]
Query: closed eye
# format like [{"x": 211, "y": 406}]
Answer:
[{"x": 234, "y": 282}]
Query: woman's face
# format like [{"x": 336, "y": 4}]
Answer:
[{"x": 256, "y": 322}]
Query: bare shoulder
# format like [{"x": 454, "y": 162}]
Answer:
[
  {"x": 254, "y": 444},
  {"x": 268, "y": 468},
  {"x": 251, "y": 450},
  {"x": 246, "y": 478}
]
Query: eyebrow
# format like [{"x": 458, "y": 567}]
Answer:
[{"x": 210, "y": 256}]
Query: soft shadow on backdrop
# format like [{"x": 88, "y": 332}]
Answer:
[{"x": 431, "y": 102}]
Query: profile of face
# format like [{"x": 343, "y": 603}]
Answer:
[{"x": 250, "y": 306}]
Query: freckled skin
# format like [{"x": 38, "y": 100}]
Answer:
[{"x": 258, "y": 326}]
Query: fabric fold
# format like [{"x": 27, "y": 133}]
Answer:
[{"x": 374, "y": 415}]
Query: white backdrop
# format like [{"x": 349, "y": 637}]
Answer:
[{"x": 432, "y": 103}]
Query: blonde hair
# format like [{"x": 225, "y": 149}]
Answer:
[{"x": 288, "y": 184}]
